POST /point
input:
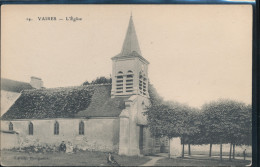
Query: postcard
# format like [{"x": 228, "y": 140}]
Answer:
[{"x": 126, "y": 85}]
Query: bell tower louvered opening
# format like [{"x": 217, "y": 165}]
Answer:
[
  {"x": 143, "y": 84},
  {"x": 119, "y": 82},
  {"x": 129, "y": 81}
]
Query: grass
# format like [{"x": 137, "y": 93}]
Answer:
[
  {"x": 200, "y": 162},
  {"x": 84, "y": 158},
  {"x": 92, "y": 158}
]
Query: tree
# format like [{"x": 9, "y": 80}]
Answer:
[
  {"x": 171, "y": 120},
  {"x": 86, "y": 83},
  {"x": 226, "y": 119},
  {"x": 99, "y": 80},
  {"x": 194, "y": 137},
  {"x": 244, "y": 133},
  {"x": 155, "y": 98}
]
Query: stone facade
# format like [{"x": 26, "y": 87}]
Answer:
[
  {"x": 99, "y": 134},
  {"x": 132, "y": 121}
]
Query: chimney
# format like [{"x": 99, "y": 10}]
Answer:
[{"x": 36, "y": 82}]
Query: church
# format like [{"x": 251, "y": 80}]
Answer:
[{"x": 104, "y": 117}]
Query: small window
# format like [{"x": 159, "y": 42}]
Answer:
[
  {"x": 81, "y": 128},
  {"x": 56, "y": 128},
  {"x": 30, "y": 128},
  {"x": 11, "y": 126}
]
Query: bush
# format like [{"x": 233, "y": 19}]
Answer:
[{"x": 37, "y": 149}]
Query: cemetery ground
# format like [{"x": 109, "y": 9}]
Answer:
[{"x": 94, "y": 158}]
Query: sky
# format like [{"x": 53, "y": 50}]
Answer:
[{"x": 197, "y": 53}]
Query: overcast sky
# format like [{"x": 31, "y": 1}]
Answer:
[{"x": 197, "y": 53}]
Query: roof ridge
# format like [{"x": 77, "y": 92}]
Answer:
[
  {"x": 68, "y": 87},
  {"x": 15, "y": 80}
]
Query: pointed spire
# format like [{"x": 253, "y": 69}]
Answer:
[{"x": 130, "y": 43}]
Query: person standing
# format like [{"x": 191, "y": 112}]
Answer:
[
  {"x": 244, "y": 154},
  {"x": 62, "y": 147}
]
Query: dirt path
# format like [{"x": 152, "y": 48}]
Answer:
[{"x": 153, "y": 161}]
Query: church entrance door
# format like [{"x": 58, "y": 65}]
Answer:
[{"x": 141, "y": 139}]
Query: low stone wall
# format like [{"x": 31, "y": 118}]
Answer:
[
  {"x": 9, "y": 140},
  {"x": 175, "y": 147},
  {"x": 204, "y": 149}
]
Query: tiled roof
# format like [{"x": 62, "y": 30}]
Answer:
[
  {"x": 14, "y": 86},
  {"x": 69, "y": 102}
]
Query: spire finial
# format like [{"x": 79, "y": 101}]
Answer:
[{"x": 131, "y": 14}]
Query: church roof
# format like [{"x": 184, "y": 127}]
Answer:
[
  {"x": 69, "y": 102},
  {"x": 130, "y": 46},
  {"x": 14, "y": 86}
]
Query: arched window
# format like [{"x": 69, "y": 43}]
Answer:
[
  {"x": 81, "y": 128},
  {"x": 30, "y": 128},
  {"x": 129, "y": 81},
  {"x": 56, "y": 128},
  {"x": 119, "y": 82},
  {"x": 11, "y": 126}
]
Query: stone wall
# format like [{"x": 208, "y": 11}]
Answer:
[
  {"x": 216, "y": 149},
  {"x": 100, "y": 134},
  {"x": 175, "y": 147}
]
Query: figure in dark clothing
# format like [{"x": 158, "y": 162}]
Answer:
[
  {"x": 244, "y": 154},
  {"x": 111, "y": 161},
  {"x": 62, "y": 147}
]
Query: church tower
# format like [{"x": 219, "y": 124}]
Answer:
[{"x": 130, "y": 68}]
